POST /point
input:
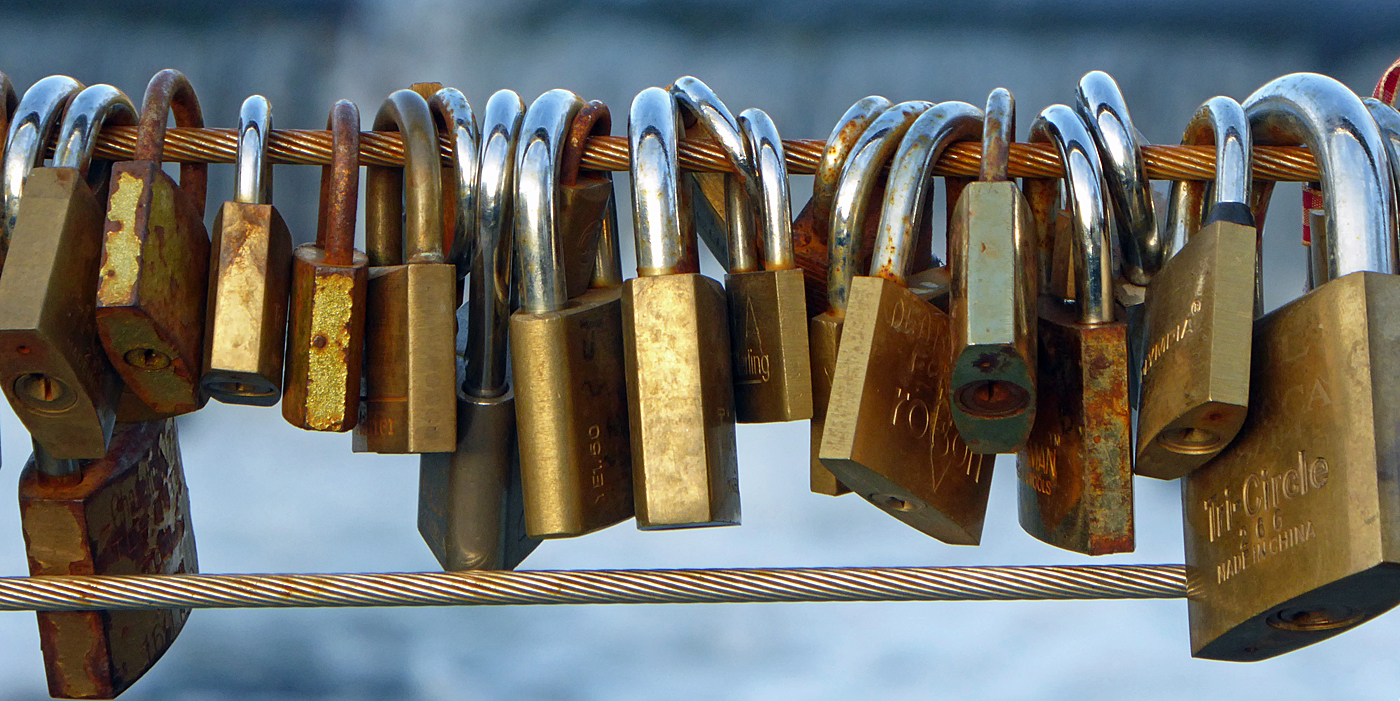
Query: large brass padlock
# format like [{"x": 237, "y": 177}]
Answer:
[
  {"x": 991, "y": 250},
  {"x": 155, "y": 261},
  {"x": 1290, "y": 530},
  {"x": 407, "y": 406},
  {"x": 1200, "y": 310},
  {"x": 52, "y": 367},
  {"x": 326, "y": 342},
  {"x": 1075, "y": 469},
  {"x": 680, "y": 398},
  {"x": 571, "y": 395},
  {"x": 470, "y": 502},
  {"x": 250, "y": 266},
  {"x": 889, "y": 435},
  {"x": 127, "y": 513}
]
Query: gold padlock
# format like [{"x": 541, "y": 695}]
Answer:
[
  {"x": 326, "y": 342},
  {"x": 676, "y": 343},
  {"x": 52, "y": 367},
  {"x": 470, "y": 505},
  {"x": 991, "y": 252},
  {"x": 1290, "y": 530},
  {"x": 889, "y": 434},
  {"x": 155, "y": 261},
  {"x": 127, "y": 513},
  {"x": 1075, "y": 468},
  {"x": 575, "y": 451},
  {"x": 406, "y": 404},
  {"x": 250, "y": 265}
]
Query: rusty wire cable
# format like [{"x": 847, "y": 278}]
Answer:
[
  {"x": 732, "y": 586},
  {"x": 313, "y": 147}
]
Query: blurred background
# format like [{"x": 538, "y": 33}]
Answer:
[{"x": 268, "y": 498}]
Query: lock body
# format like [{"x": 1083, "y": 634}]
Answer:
[
  {"x": 325, "y": 347},
  {"x": 823, "y": 340},
  {"x": 771, "y": 363}
]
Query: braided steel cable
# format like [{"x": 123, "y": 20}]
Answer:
[
  {"x": 731, "y": 586},
  {"x": 313, "y": 147}
]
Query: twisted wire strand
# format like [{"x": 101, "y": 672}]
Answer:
[
  {"x": 732, "y": 586},
  {"x": 313, "y": 147}
]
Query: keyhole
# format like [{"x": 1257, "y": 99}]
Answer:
[
  {"x": 146, "y": 359},
  {"x": 992, "y": 399},
  {"x": 44, "y": 394}
]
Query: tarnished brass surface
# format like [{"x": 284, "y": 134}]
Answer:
[
  {"x": 1195, "y": 371},
  {"x": 1290, "y": 532},
  {"x": 127, "y": 513},
  {"x": 470, "y": 508},
  {"x": 247, "y": 312},
  {"x": 325, "y": 346},
  {"x": 824, "y": 339},
  {"x": 684, "y": 457},
  {"x": 52, "y": 368},
  {"x": 771, "y": 364},
  {"x": 1075, "y": 470},
  {"x": 889, "y": 435}
]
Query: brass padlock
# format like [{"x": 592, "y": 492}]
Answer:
[
  {"x": 889, "y": 435},
  {"x": 470, "y": 502},
  {"x": 1290, "y": 530},
  {"x": 991, "y": 250},
  {"x": 575, "y": 449},
  {"x": 155, "y": 261},
  {"x": 1075, "y": 469},
  {"x": 326, "y": 342},
  {"x": 680, "y": 398},
  {"x": 52, "y": 367},
  {"x": 250, "y": 265},
  {"x": 127, "y": 513},
  {"x": 406, "y": 406},
  {"x": 1200, "y": 310}
]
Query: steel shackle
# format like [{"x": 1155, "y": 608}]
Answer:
[
  {"x": 838, "y": 147},
  {"x": 697, "y": 100},
  {"x": 253, "y": 171},
  {"x": 665, "y": 244},
  {"x": 38, "y": 113},
  {"x": 1221, "y": 122},
  {"x": 537, "y": 158},
  {"x": 458, "y": 122},
  {"x": 408, "y": 201},
  {"x": 83, "y": 120},
  {"x": 775, "y": 211}
]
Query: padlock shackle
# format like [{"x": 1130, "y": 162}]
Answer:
[
  {"x": 489, "y": 285},
  {"x": 700, "y": 104},
  {"x": 406, "y": 205},
  {"x": 1060, "y": 125},
  {"x": 665, "y": 242},
  {"x": 1219, "y": 121},
  {"x": 998, "y": 131},
  {"x": 32, "y": 122},
  {"x": 911, "y": 177},
  {"x": 252, "y": 170},
  {"x": 86, "y": 114},
  {"x": 858, "y": 177},
  {"x": 1326, "y": 116},
  {"x": 454, "y": 117},
  {"x": 340, "y": 186},
  {"x": 169, "y": 90},
  {"x": 595, "y": 119},
  {"x": 537, "y": 159},
  {"x": 774, "y": 209},
  {"x": 839, "y": 143},
  {"x": 1388, "y": 121},
  {"x": 1101, "y": 105}
]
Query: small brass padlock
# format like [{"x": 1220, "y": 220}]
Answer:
[
  {"x": 155, "y": 261},
  {"x": 889, "y": 433},
  {"x": 127, "y": 513},
  {"x": 407, "y": 405},
  {"x": 326, "y": 342},
  {"x": 991, "y": 250},
  {"x": 471, "y": 508},
  {"x": 250, "y": 265},
  {"x": 1075, "y": 469},
  {"x": 1290, "y": 530},
  {"x": 676, "y": 343},
  {"x": 52, "y": 367}
]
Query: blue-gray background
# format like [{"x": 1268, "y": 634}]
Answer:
[{"x": 268, "y": 498}]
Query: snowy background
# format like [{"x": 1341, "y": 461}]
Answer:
[{"x": 269, "y": 498}]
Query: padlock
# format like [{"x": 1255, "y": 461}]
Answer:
[
  {"x": 849, "y": 213},
  {"x": 326, "y": 342},
  {"x": 575, "y": 451},
  {"x": 127, "y": 513},
  {"x": 52, "y": 367},
  {"x": 1075, "y": 468},
  {"x": 1290, "y": 530},
  {"x": 889, "y": 435},
  {"x": 406, "y": 404},
  {"x": 155, "y": 261},
  {"x": 991, "y": 251},
  {"x": 250, "y": 266},
  {"x": 680, "y": 398},
  {"x": 470, "y": 502},
  {"x": 1200, "y": 310}
]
